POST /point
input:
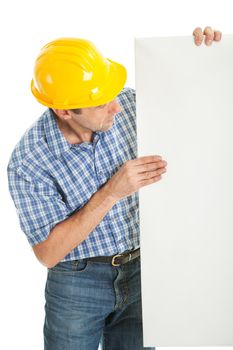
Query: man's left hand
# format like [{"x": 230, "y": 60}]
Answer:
[{"x": 208, "y": 35}]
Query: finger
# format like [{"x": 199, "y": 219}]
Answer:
[
  {"x": 198, "y": 36},
  {"x": 217, "y": 35},
  {"x": 150, "y": 181},
  {"x": 209, "y": 33},
  {"x": 150, "y": 174},
  {"x": 151, "y": 166},
  {"x": 147, "y": 159}
]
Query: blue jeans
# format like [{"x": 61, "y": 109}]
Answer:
[{"x": 90, "y": 304}]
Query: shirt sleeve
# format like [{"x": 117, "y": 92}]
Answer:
[{"x": 39, "y": 205}]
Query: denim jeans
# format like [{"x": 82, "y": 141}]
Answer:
[{"x": 88, "y": 304}]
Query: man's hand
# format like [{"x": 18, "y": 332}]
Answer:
[
  {"x": 208, "y": 35},
  {"x": 135, "y": 174}
]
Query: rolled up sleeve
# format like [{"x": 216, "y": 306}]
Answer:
[{"x": 39, "y": 205}]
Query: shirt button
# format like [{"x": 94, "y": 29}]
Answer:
[{"x": 100, "y": 173}]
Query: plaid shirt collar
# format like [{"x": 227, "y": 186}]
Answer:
[{"x": 57, "y": 142}]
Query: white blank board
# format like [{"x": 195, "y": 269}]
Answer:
[{"x": 185, "y": 114}]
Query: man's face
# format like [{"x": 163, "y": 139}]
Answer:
[{"x": 98, "y": 118}]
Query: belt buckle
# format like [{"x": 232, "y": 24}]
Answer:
[{"x": 113, "y": 259}]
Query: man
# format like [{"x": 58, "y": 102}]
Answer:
[{"x": 74, "y": 177}]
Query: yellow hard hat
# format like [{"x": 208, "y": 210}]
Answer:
[{"x": 72, "y": 73}]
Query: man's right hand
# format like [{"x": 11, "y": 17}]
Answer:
[{"x": 135, "y": 174}]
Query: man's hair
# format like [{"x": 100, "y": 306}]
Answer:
[{"x": 76, "y": 110}]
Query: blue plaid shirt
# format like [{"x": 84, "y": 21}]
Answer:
[{"x": 50, "y": 179}]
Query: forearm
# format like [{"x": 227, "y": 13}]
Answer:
[{"x": 68, "y": 234}]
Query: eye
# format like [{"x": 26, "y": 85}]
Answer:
[{"x": 101, "y": 106}]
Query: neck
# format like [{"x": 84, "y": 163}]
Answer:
[{"x": 74, "y": 134}]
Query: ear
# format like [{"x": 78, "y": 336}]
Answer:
[{"x": 62, "y": 113}]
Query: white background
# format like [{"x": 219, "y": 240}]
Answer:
[{"x": 25, "y": 27}]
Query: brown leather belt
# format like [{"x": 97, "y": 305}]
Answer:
[{"x": 118, "y": 259}]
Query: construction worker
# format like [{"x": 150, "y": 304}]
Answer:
[{"x": 74, "y": 177}]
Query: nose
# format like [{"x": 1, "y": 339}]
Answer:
[{"x": 115, "y": 107}]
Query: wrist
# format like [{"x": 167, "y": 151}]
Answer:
[{"x": 109, "y": 194}]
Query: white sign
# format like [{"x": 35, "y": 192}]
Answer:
[{"x": 185, "y": 114}]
